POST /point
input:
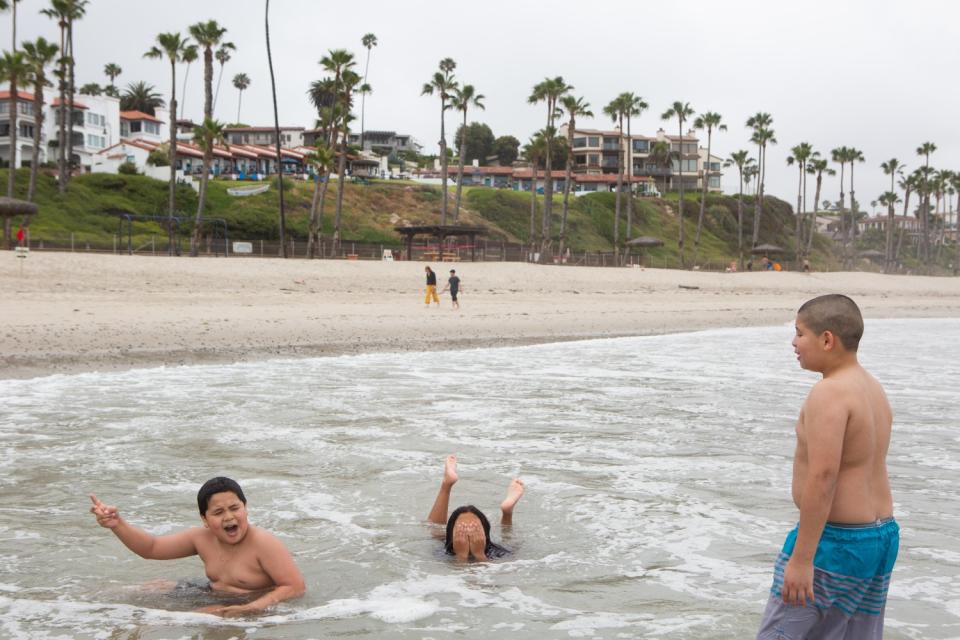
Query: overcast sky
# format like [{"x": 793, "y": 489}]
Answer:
[{"x": 878, "y": 75}]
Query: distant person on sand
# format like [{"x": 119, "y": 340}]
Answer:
[
  {"x": 431, "y": 287},
  {"x": 806, "y": 266},
  {"x": 20, "y": 236},
  {"x": 467, "y": 529},
  {"x": 237, "y": 557},
  {"x": 832, "y": 575},
  {"x": 453, "y": 284}
]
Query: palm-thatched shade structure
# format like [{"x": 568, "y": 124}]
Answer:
[
  {"x": 766, "y": 248},
  {"x": 645, "y": 241},
  {"x": 11, "y": 207}
]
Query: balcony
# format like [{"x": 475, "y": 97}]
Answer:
[
  {"x": 611, "y": 146},
  {"x": 652, "y": 171}
]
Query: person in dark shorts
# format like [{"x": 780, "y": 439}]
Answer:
[{"x": 453, "y": 284}]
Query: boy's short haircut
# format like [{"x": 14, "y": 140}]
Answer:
[
  {"x": 837, "y": 314},
  {"x": 219, "y": 484}
]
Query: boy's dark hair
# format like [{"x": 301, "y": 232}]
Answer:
[
  {"x": 492, "y": 549},
  {"x": 837, "y": 314},
  {"x": 217, "y": 485}
]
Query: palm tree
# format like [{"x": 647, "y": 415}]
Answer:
[
  {"x": 575, "y": 108},
  {"x": 662, "y": 157},
  {"x": 635, "y": 107},
  {"x": 462, "y": 98},
  {"x": 855, "y": 156},
  {"x": 140, "y": 96},
  {"x": 925, "y": 150},
  {"x": 340, "y": 63},
  {"x": 955, "y": 183},
  {"x": 762, "y": 136},
  {"x": 173, "y": 46},
  {"x": 841, "y": 155},
  {"x": 206, "y": 136},
  {"x": 444, "y": 85},
  {"x": 615, "y": 110},
  {"x": 550, "y": 90},
  {"x": 892, "y": 168},
  {"x": 190, "y": 55},
  {"x": 369, "y": 41},
  {"x": 682, "y": 112},
  {"x": 112, "y": 70},
  {"x": 709, "y": 121},
  {"x": 889, "y": 199},
  {"x": 40, "y": 54},
  {"x": 207, "y": 35},
  {"x": 13, "y": 67},
  {"x": 322, "y": 159},
  {"x": 241, "y": 82},
  {"x": 534, "y": 151},
  {"x": 223, "y": 57},
  {"x": 817, "y": 166},
  {"x": 58, "y": 11},
  {"x": 742, "y": 161},
  {"x": 276, "y": 130},
  {"x": 800, "y": 155},
  {"x": 91, "y": 89}
]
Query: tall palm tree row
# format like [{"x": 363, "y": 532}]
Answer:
[
  {"x": 40, "y": 54},
  {"x": 190, "y": 55},
  {"x": 322, "y": 159},
  {"x": 13, "y": 68},
  {"x": 575, "y": 108},
  {"x": 369, "y": 41},
  {"x": 172, "y": 45},
  {"x": 925, "y": 150},
  {"x": 635, "y": 106},
  {"x": 682, "y": 112},
  {"x": 241, "y": 82},
  {"x": 276, "y": 131},
  {"x": 800, "y": 155},
  {"x": 208, "y": 35},
  {"x": 763, "y": 134},
  {"x": 463, "y": 98},
  {"x": 533, "y": 152},
  {"x": 349, "y": 80},
  {"x": 444, "y": 85},
  {"x": 742, "y": 161},
  {"x": 223, "y": 57},
  {"x": 710, "y": 121},
  {"x": 855, "y": 155}
]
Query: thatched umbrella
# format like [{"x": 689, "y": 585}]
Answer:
[
  {"x": 10, "y": 208},
  {"x": 766, "y": 248},
  {"x": 644, "y": 241},
  {"x": 871, "y": 253}
]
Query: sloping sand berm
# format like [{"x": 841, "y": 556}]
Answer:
[{"x": 82, "y": 312}]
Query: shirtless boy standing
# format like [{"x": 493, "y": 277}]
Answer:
[
  {"x": 832, "y": 575},
  {"x": 237, "y": 557}
]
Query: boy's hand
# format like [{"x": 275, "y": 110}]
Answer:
[
  {"x": 231, "y": 611},
  {"x": 798, "y": 583},
  {"x": 107, "y": 517}
]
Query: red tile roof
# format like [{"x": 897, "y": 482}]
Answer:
[
  {"x": 138, "y": 115},
  {"x": 21, "y": 95},
  {"x": 76, "y": 105}
]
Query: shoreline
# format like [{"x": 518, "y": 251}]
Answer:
[{"x": 73, "y": 313}]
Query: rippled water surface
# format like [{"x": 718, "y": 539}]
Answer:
[{"x": 657, "y": 473}]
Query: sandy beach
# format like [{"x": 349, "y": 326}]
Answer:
[{"x": 82, "y": 312}]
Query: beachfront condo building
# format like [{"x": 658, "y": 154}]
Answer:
[
  {"x": 290, "y": 137},
  {"x": 599, "y": 152}
]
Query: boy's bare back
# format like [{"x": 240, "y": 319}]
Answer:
[{"x": 846, "y": 421}]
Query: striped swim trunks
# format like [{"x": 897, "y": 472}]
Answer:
[{"x": 852, "y": 569}]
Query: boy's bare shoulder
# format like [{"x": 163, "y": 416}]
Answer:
[{"x": 264, "y": 541}]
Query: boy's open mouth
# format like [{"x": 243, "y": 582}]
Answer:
[{"x": 231, "y": 529}]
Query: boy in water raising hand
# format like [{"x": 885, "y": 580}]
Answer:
[
  {"x": 237, "y": 557},
  {"x": 832, "y": 575}
]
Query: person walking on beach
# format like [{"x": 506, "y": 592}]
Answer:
[
  {"x": 833, "y": 572},
  {"x": 431, "y": 287},
  {"x": 453, "y": 284}
]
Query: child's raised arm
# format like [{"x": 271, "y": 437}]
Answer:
[{"x": 145, "y": 545}]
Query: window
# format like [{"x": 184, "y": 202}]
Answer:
[
  {"x": 151, "y": 127},
  {"x": 593, "y": 160},
  {"x": 579, "y": 142},
  {"x": 593, "y": 141},
  {"x": 26, "y": 108},
  {"x": 590, "y": 186},
  {"x": 97, "y": 142},
  {"x": 131, "y": 159},
  {"x": 714, "y": 166},
  {"x": 688, "y": 165},
  {"x": 641, "y": 146},
  {"x": 26, "y": 130},
  {"x": 4, "y": 129},
  {"x": 714, "y": 182},
  {"x": 4, "y": 106},
  {"x": 582, "y": 159},
  {"x": 136, "y": 127}
]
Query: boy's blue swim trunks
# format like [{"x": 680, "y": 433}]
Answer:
[{"x": 852, "y": 569}]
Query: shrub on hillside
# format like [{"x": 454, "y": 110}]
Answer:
[{"x": 127, "y": 169}]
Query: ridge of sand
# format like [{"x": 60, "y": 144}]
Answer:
[{"x": 72, "y": 312}]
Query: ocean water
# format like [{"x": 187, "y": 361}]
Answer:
[{"x": 657, "y": 473}]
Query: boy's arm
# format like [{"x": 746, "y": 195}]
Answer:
[
  {"x": 145, "y": 545},
  {"x": 824, "y": 424},
  {"x": 277, "y": 563}
]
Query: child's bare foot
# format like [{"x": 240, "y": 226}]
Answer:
[
  {"x": 514, "y": 493},
  {"x": 450, "y": 471}
]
